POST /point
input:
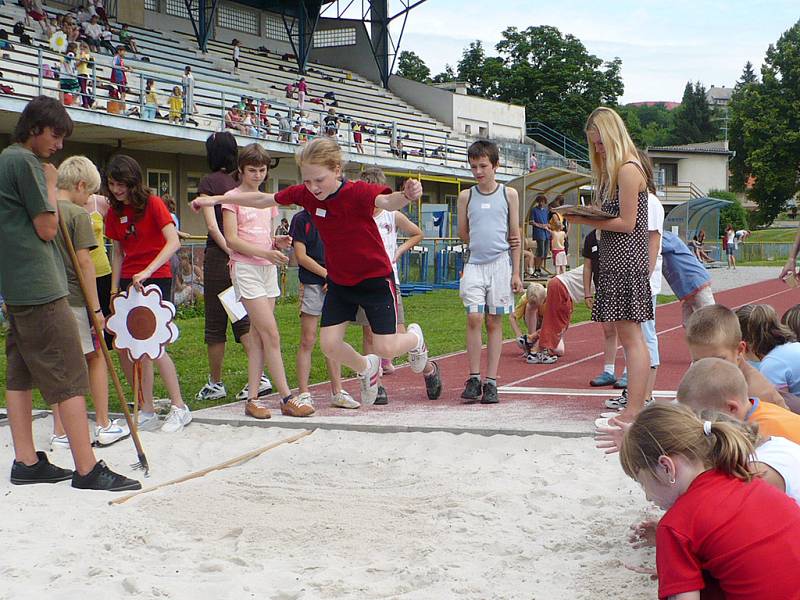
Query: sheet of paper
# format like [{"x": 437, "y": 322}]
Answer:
[
  {"x": 232, "y": 306},
  {"x": 589, "y": 212}
]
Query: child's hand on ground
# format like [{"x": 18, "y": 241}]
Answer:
[
  {"x": 276, "y": 257},
  {"x": 282, "y": 242},
  {"x": 643, "y": 535},
  {"x": 610, "y": 438},
  {"x": 643, "y": 570},
  {"x": 516, "y": 284}
]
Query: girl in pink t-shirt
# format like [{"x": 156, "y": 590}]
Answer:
[{"x": 253, "y": 259}]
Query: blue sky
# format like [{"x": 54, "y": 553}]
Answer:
[{"x": 662, "y": 44}]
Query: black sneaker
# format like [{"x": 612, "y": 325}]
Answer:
[
  {"x": 489, "y": 394},
  {"x": 382, "y": 399},
  {"x": 41, "y": 472},
  {"x": 472, "y": 390},
  {"x": 103, "y": 478},
  {"x": 433, "y": 383}
]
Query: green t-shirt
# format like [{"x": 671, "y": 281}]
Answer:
[
  {"x": 31, "y": 270},
  {"x": 80, "y": 230}
]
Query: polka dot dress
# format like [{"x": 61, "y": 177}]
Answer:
[{"x": 623, "y": 284}]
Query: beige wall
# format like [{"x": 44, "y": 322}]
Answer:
[
  {"x": 131, "y": 12},
  {"x": 705, "y": 171}
]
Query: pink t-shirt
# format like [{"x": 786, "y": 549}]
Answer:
[{"x": 254, "y": 225}]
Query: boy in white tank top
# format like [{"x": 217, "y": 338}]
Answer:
[{"x": 488, "y": 217}]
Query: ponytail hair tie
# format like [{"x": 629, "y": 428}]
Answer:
[{"x": 707, "y": 427}]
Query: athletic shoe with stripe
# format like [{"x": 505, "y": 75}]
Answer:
[
  {"x": 212, "y": 390},
  {"x": 115, "y": 431},
  {"x": 298, "y": 406},
  {"x": 369, "y": 380},
  {"x": 344, "y": 400},
  {"x": 264, "y": 389},
  {"x": 418, "y": 356}
]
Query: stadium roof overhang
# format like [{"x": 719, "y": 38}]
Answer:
[{"x": 551, "y": 181}]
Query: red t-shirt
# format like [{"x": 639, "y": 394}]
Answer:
[
  {"x": 141, "y": 239},
  {"x": 353, "y": 246},
  {"x": 730, "y": 539}
]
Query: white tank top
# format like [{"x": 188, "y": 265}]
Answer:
[
  {"x": 784, "y": 456},
  {"x": 387, "y": 227}
]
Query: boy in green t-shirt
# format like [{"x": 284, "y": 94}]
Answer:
[
  {"x": 42, "y": 348},
  {"x": 78, "y": 179}
]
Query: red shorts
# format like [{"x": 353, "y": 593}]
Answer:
[{"x": 557, "y": 315}]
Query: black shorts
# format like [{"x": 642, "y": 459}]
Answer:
[{"x": 375, "y": 296}]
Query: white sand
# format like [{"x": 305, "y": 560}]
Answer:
[{"x": 336, "y": 515}]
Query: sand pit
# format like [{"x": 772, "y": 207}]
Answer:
[{"x": 336, "y": 515}]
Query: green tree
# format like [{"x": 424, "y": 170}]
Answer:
[
  {"x": 765, "y": 124},
  {"x": 648, "y": 125},
  {"x": 447, "y": 75},
  {"x": 733, "y": 214},
  {"x": 411, "y": 66},
  {"x": 748, "y": 76},
  {"x": 693, "y": 117}
]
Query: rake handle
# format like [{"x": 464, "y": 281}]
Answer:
[{"x": 98, "y": 328}]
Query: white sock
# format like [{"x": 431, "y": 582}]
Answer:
[{"x": 609, "y": 369}]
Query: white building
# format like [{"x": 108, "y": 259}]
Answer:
[{"x": 690, "y": 170}]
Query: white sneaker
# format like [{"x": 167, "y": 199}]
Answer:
[
  {"x": 59, "y": 441},
  {"x": 418, "y": 356},
  {"x": 177, "y": 419},
  {"x": 212, "y": 391},
  {"x": 264, "y": 389},
  {"x": 147, "y": 421},
  {"x": 305, "y": 398},
  {"x": 344, "y": 400},
  {"x": 369, "y": 380},
  {"x": 117, "y": 430}
]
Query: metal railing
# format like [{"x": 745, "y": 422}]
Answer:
[{"x": 557, "y": 141}]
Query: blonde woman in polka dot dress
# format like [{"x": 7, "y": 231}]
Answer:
[{"x": 623, "y": 288}]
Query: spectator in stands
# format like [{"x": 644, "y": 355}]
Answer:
[
  {"x": 187, "y": 81},
  {"x": 126, "y": 39},
  {"x": 94, "y": 33},
  {"x": 302, "y": 90},
  {"x": 98, "y": 7},
  {"x": 263, "y": 117},
  {"x": 68, "y": 76},
  {"x": 234, "y": 118},
  {"x": 70, "y": 28},
  {"x": 357, "y": 127},
  {"x": 150, "y": 101},
  {"x": 237, "y": 51},
  {"x": 284, "y": 127},
  {"x": 105, "y": 40},
  {"x": 35, "y": 12},
  {"x": 85, "y": 64},
  {"x": 119, "y": 73},
  {"x": 398, "y": 147},
  {"x": 331, "y": 122},
  {"x": 331, "y": 96},
  {"x": 290, "y": 90},
  {"x": 82, "y": 14},
  {"x": 176, "y": 105},
  {"x": 283, "y": 228}
]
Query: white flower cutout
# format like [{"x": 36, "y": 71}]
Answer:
[
  {"x": 58, "y": 42},
  {"x": 142, "y": 323}
]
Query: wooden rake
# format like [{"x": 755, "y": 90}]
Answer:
[{"x": 98, "y": 327}]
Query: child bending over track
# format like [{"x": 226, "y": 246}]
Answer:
[{"x": 359, "y": 273}]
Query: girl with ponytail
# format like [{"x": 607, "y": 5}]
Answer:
[{"x": 726, "y": 533}]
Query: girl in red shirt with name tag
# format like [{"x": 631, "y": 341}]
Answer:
[
  {"x": 727, "y": 533},
  {"x": 359, "y": 272}
]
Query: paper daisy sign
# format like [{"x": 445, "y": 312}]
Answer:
[{"x": 142, "y": 323}]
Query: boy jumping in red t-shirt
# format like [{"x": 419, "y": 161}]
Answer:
[{"x": 359, "y": 272}]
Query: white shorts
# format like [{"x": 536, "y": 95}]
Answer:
[
  {"x": 254, "y": 281},
  {"x": 703, "y": 297},
  {"x": 560, "y": 258},
  {"x": 84, "y": 329},
  {"x": 486, "y": 288},
  {"x": 312, "y": 297}
]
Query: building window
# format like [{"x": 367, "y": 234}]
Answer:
[
  {"x": 177, "y": 8},
  {"x": 328, "y": 38},
  {"x": 151, "y": 5},
  {"x": 237, "y": 19},
  {"x": 483, "y": 132},
  {"x": 160, "y": 182},
  {"x": 467, "y": 128},
  {"x": 274, "y": 28}
]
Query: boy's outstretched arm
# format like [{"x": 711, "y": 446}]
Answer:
[
  {"x": 513, "y": 233},
  {"x": 252, "y": 199},
  {"x": 412, "y": 190}
]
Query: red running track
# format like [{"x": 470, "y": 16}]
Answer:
[{"x": 582, "y": 361}]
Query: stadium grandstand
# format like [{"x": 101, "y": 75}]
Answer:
[{"x": 345, "y": 51}]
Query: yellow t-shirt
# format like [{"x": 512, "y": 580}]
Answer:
[
  {"x": 175, "y": 104},
  {"x": 84, "y": 61},
  {"x": 519, "y": 310},
  {"x": 99, "y": 256},
  {"x": 775, "y": 420}
]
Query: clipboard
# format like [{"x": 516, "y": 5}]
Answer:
[
  {"x": 589, "y": 212},
  {"x": 233, "y": 307}
]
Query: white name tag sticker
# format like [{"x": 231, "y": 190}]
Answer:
[
  {"x": 321, "y": 212},
  {"x": 594, "y": 248},
  {"x": 486, "y": 205},
  {"x": 123, "y": 220}
]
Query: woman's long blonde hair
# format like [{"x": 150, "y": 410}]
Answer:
[
  {"x": 618, "y": 146},
  {"x": 675, "y": 430}
]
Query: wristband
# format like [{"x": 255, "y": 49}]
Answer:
[{"x": 98, "y": 311}]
